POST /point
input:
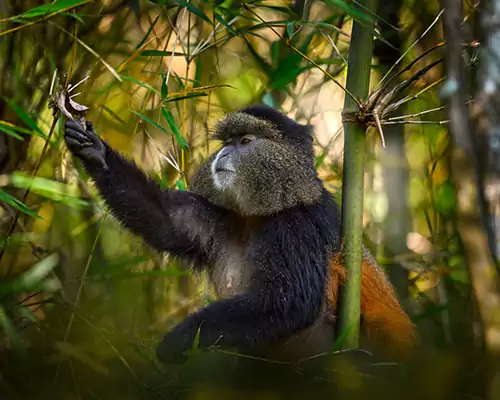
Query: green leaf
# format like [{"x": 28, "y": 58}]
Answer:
[
  {"x": 16, "y": 128},
  {"x": 8, "y": 131},
  {"x": 135, "y": 5},
  {"x": 51, "y": 8},
  {"x": 193, "y": 9},
  {"x": 351, "y": 10},
  {"x": 261, "y": 62},
  {"x": 32, "y": 278},
  {"x": 290, "y": 29},
  {"x": 48, "y": 188},
  {"x": 39, "y": 271},
  {"x": 73, "y": 15},
  {"x": 23, "y": 115},
  {"x": 164, "y": 87},
  {"x": 275, "y": 53},
  {"x": 160, "y": 53},
  {"x": 161, "y": 128},
  {"x": 169, "y": 118},
  {"x": 16, "y": 204},
  {"x": 196, "y": 341},
  {"x": 445, "y": 199},
  {"x": 268, "y": 99},
  {"x": 320, "y": 159},
  {"x": 142, "y": 84},
  {"x": 185, "y": 96},
  {"x": 147, "y": 33},
  {"x": 284, "y": 76},
  {"x": 25, "y": 312},
  {"x": 113, "y": 114},
  {"x": 219, "y": 18},
  {"x": 179, "y": 184},
  {"x": 10, "y": 331}
]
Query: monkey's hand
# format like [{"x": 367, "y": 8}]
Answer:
[
  {"x": 84, "y": 143},
  {"x": 176, "y": 344}
]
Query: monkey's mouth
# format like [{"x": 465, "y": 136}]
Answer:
[{"x": 222, "y": 170}]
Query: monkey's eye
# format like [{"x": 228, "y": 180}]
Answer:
[
  {"x": 245, "y": 139},
  {"x": 227, "y": 142}
]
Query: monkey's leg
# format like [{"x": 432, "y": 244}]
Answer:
[
  {"x": 385, "y": 325},
  {"x": 244, "y": 323}
]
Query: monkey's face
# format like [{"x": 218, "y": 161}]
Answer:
[
  {"x": 259, "y": 170},
  {"x": 229, "y": 162}
]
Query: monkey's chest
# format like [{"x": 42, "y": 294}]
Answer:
[{"x": 231, "y": 273}]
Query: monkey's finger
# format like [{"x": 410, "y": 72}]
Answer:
[
  {"x": 70, "y": 124},
  {"x": 94, "y": 157},
  {"x": 73, "y": 144},
  {"x": 89, "y": 125},
  {"x": 78, "y": 135}
]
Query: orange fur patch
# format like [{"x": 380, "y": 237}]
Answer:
[{"x": 385, "y": 325}]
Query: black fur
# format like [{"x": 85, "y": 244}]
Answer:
[{"x": 282, "y": 259}]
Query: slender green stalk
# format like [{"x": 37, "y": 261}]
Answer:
[{"x": 358, "y": 79}]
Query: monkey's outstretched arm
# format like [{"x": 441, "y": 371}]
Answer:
[
  {"x": 287, "y": 296},
  {"x": 174, "y": 221}
]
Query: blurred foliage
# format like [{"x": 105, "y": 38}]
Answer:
[{"x": 83, "y": 302}]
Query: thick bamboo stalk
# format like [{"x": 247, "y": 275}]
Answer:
[{"x": 358, "y": 79}]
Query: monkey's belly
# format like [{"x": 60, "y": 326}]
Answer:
[{"x": 230, "y": 276}]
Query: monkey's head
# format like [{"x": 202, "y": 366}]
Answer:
[{"x": 266, "y": 164}]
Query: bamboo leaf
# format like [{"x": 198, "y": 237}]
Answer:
[
  {"x": 32, "y": 278},
  {"x": 142, "y": 84},
  {"x": 113, "y": 114},
  {"x": 10, "y": 331},
  {"x": 160, "y": 53},
  {"x": 219, "y": 18},
  {"x": 445, "y": 199},
  {"x": 52, "y": 7},
  {"x": 185, "y": 96},
  {"x": 169, "y": 118},
  {"x": 286, "y": 76},
  {"x": 351, "y": 10},
  {"x": 23, "y": 116},
  {"x": 48, "y": 188},
  {"x": 147, "y": 33},
  {"x": 10, "y": 132},
  {"x": 16, "y": 128},
  {"x": 164, "y": 87},
  {"x": 16, "y": 204},
  {"x": 193, "y": 9},
  {"x": 179, "y": 184}
]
